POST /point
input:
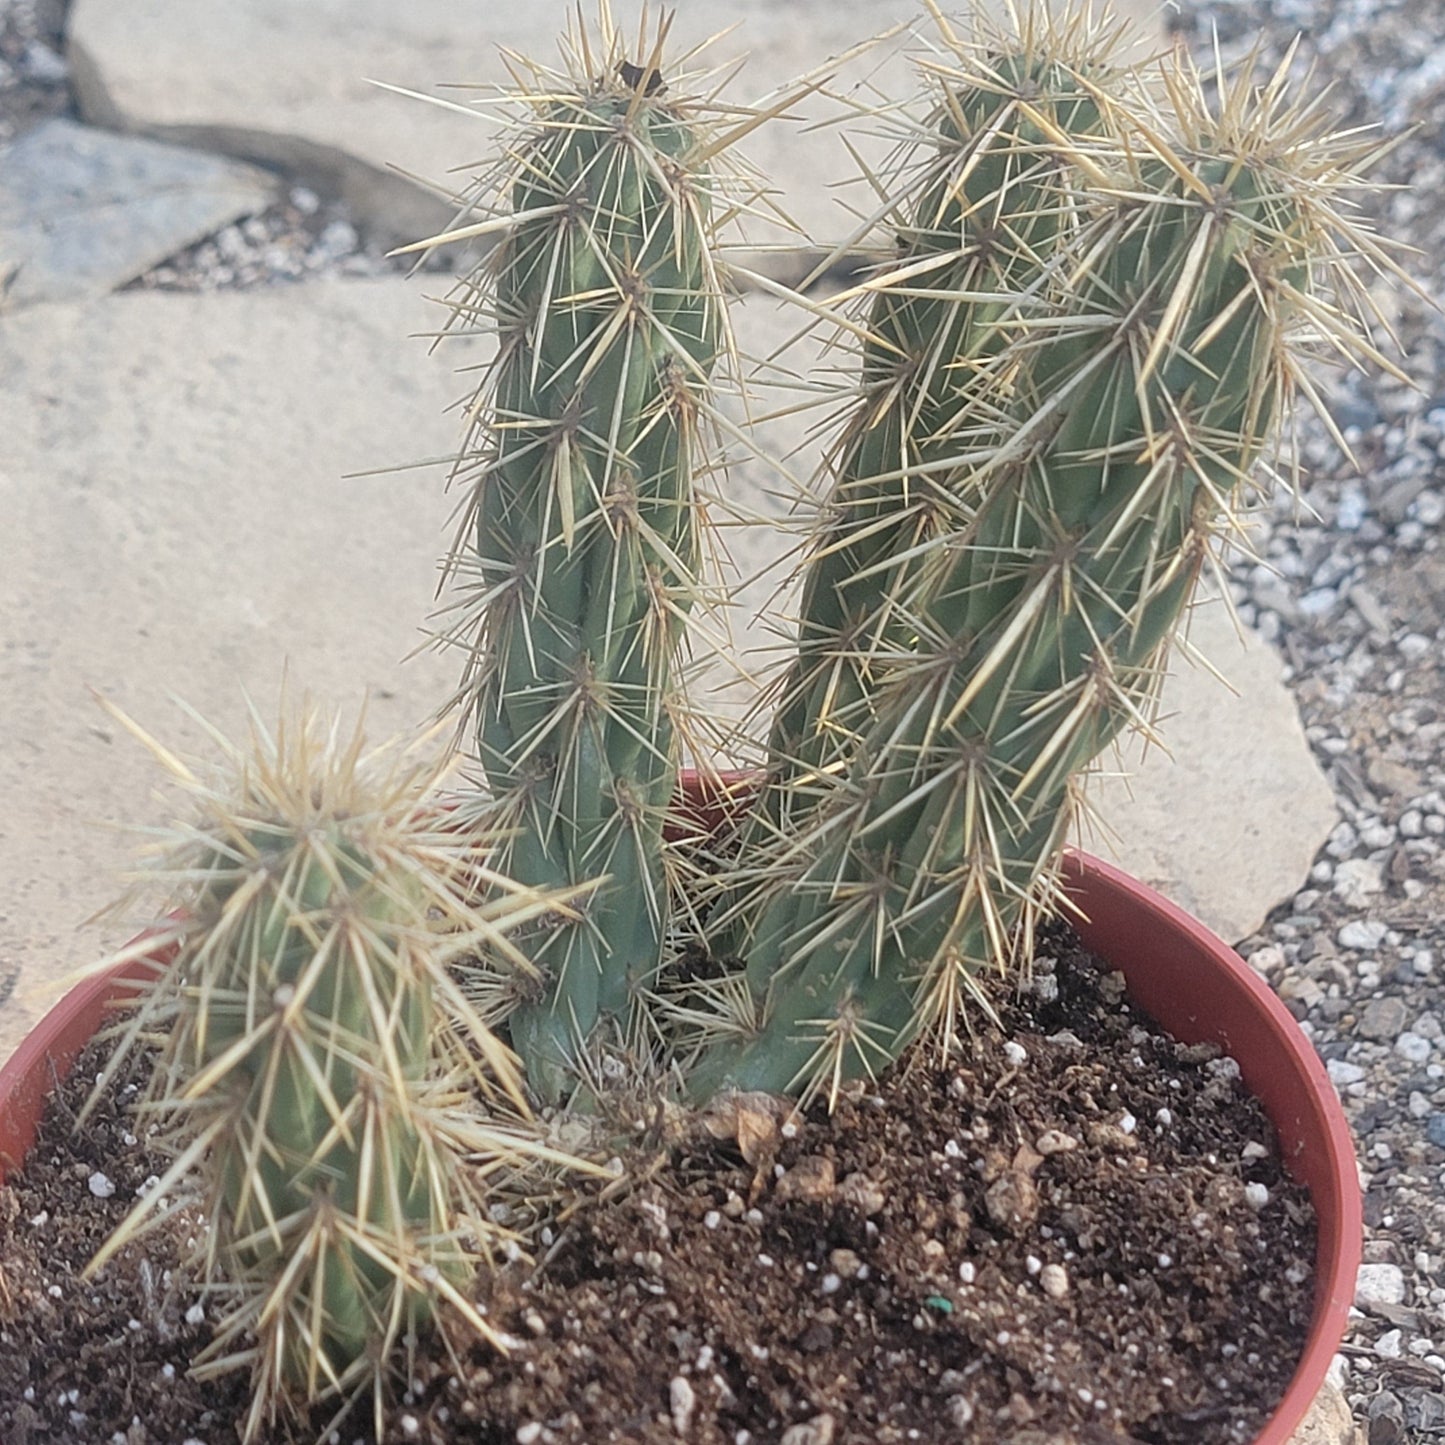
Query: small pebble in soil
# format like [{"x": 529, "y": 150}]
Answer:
[{"x": 1054, "y": 1280}]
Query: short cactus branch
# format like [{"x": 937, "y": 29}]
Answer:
[{"x": 320, "y": 1070}]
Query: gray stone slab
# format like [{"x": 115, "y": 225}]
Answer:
[
  {"x": 179, "y": 524},
  {"x": 1228, "y": 820},
  {"x": 287, "y": 83},
  {"x": 83, "y": 211}
]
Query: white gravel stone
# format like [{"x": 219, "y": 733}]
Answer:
[
  {"x": 1361, "y": 933},
  {"x": 1268, "y": 960},
  {"x": 101, "y": 1185},
  {"x": 42, "y": 65},
  {"x": 1379, "y": 1284},
  {"x": 960, "y": 1412},
  {"x": 1343, "y": 1073},
  {"x": 1412, "y": 1047},
  {"x": 1357, "y": 880},
  {"x": 1429, "y": 508},
  {"x": 683, "y": 1400},
  {"x": 1388, "y": 1346}
]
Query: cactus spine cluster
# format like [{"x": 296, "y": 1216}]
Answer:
[
  {"x": 1113, "y": 427},
  {"x": 582, "y": 536},
  {"x": 319, "y": 1067}
]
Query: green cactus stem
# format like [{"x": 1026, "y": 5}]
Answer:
[
  {"x": 986, "y": 198},
  {"x": 581, "y": 543},
  {"x": 320, "y": 1071},
  {"x": 1165, "y": 351}
]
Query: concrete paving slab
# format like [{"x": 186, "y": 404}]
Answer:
[
  {"x": 1228, "y": 821},
  {"x": 287, "y": 84},
  {"x": 83, "y": 211},
  {"x": 180, "y": 524}
]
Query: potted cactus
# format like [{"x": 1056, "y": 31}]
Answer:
[{"x": 1092, "y": 331}]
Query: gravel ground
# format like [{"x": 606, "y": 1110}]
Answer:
[
  {"x": 1353, "y": 594},
  {"x": 34, "y": 78},
  {"x": 301, "y": 236}
]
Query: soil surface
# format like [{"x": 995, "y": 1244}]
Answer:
[{"x": 1078, "y": 1232}]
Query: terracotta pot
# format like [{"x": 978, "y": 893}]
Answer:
[{"x": 1177, "y": 971}]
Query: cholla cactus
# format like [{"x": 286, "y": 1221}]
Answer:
[
  {"x": 319, "y": 1069},
  {"x": 581, "y": 541},
  {"x": 1148, "y": 372},
  {"x": 985, "y": 198}
]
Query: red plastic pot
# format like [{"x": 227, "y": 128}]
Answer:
[{"x": 1177, "y": 971}]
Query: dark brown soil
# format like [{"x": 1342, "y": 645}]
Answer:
[{"x": 1047, "y": 1247}]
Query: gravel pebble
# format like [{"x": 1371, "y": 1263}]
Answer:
[
  {"x": 1413, "y": 1048},
  {"x": 1361, "y": 935},
  {"x": 1390, "y": 1345},
  {"x": 1379, "y": 1284},
  {"x": 1358, "y": 879},
  {"x": 1383, "y": 1018},
  {"x": 1054, "y": 1281}
]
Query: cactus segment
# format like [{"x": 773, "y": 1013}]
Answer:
[
  {"x": 320, "y": 1070},
  {"x": 1164, "y": 352},
  {"x": 583, "y": 535},
  {"x": 987, "y": 199}
]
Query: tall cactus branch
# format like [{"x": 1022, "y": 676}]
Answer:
[
  {"x": 986, "y": 199},
  {"x": 582, "y": 536}
]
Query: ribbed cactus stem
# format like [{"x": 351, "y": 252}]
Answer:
[
  {"x": 306, "y": 994},
  {"x": 584, "y": 538},
  {"x": 1145, "y": 391},
  {"x": 981, "y": 213}
]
